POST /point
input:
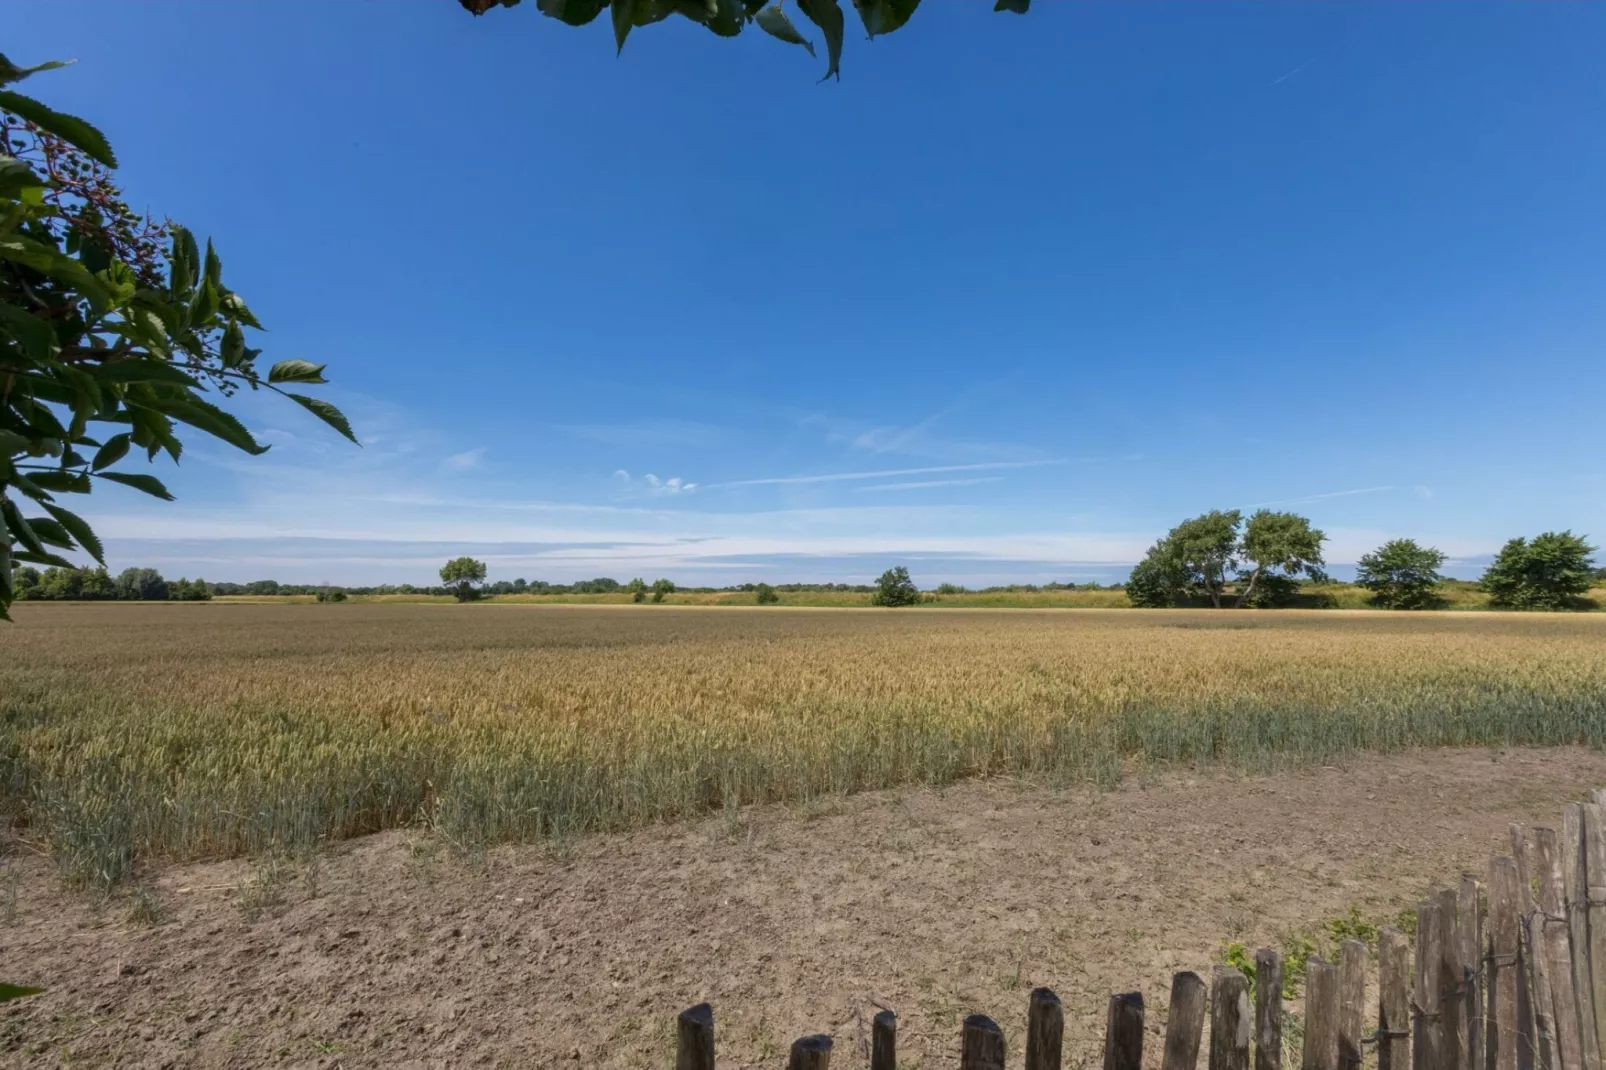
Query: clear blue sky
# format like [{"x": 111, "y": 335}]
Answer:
[{"x": 1009, "y": 300}]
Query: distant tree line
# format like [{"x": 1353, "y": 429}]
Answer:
[
  {"x": 97, "y": 585},
  {"x": 1221, "y": 558}
]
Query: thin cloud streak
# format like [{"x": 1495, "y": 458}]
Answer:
[
  {"x": 1323, "y": 497},
  {"x": 886, "y": 473},
  {"x": 923, "y": 484}
]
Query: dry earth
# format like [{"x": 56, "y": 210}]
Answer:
[{"x": 397, "y": 951}]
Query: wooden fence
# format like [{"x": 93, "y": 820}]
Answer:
[{"x": 1509, "y": 974}]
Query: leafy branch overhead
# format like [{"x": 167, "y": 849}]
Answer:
[
  {"x": 111, "y": 323},
  {"x": 728, "y": 18}
]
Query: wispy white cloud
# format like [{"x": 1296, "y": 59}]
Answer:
[
  {"x": 653, "y": 486},
  {"x": 1323, "y": 497},
  {"x": 925, "y": 483},
  {"x": 884, "y": 473},
  {"x": 463, "y": 462}
]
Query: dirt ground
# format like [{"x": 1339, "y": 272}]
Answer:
[{"x": 398, "y": 951}]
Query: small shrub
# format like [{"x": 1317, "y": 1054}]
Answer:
[
  {"x": 765, "y": 595},
  {"x": 895, "y": 588}
]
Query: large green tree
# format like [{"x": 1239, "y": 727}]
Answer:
[
  {"x": 1204, "y": 555},
  {"x": 115, "y": 329},
  {"x": 1549, "y": 572},
  {"x": 1401, "y": 574},
  {"x": 727, "y": 18},
  {"x": 894, "y": 588},
  {"x": 463, "y": 575},
  {"x": 1278, "y": 548}
]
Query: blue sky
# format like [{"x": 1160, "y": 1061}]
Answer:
[{"x": 1004, "y": 303}]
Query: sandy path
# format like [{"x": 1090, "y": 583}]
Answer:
[{"x": 788, "y": 921}]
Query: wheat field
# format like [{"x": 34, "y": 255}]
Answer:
[{"x": 184, "y": 731}]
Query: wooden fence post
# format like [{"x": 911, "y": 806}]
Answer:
[
  {"x": 884, "y": 1041},
  {"x": 1504, "y": 896},
  {"x": 981, "y": 1044},
  {"x": 1322, "y": 1014},
  {"x": 1045, "y": 1030},
  {"x": 1452, "y": 984},
  {"x": 1394, "y": 1001},
  {"x": 1576, "y": 890},
  {"x": 1469, "y": 932},
  {"x": 694, "y": 1046},
  {"x": 1231, "y": 1019},
  {"x": 1595, "y": 902},
  {"x": 1533, "y": 978},
  {"x": 1552, "y": 941},
  {"x": 1351, "y": 1003},
  {"x": 1123, "y": 1033},
  {"x": 811, "y": 1053},
  {"x": 1185, "y": 1023},
  {"x": 1427, "y": 1033},
  {"x": 1268, "y": 1010}
]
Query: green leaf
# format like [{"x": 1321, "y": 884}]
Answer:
[
  {"x": 35, "y": 335},
  {"x": 52, "y": 262},
  {"x": 773, "y": 21},
  {"x": 573, "y": 12},
  {"x": 205, "y": 304},
  {"x": 1017, "y": 6},
  {"x": 827, "y": 15},
  {"x": 211, "y": 419},
  {"x": 884, "y": 16},
  {"x": 46, "y": 558},
  {"x": 20, "y": 529},
  {"x": 11, "y": 992},
  {"x": 232, "y": 351},
  {"x": 79, "y": 530},
  {"x": 141, "y": 371},
  {"x": 115, "y": 449},
  {"x": 51, "y": 532},
  {"x": 183, "y": 262},
  {"x": 325, "y": 412},
  {"x": 233, "y": 306},
  {"x": 16, "y": 176},
  {"x": 10, "y": 72},
  {"x": 214, "y": 267},
  {"x": 69, "y": 128},
  {"x": 149, "y": 484},
  {"x": 297, "y": 371},
  {"x": 64, "y": 482}
]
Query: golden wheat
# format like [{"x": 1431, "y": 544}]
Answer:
[{"x": 192, "y": 730}]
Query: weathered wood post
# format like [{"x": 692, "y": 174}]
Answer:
[
  {"x": 1576, "y": 892},
  {"x": 884, "y": 1041},
  {"x": 1184, "y": 1025},
  {"x": 1231, "y": 1020},
  {"x": 1469, "y": 931},
  {"x": 1322, "y": 1013},
  {"x": 1268, "y": 1009},
  {"x": 1452, "y": 985},
  {"x": 811, "y": 1053},
  {"x": 1552, "y": 940},
  {"x": 1351, "y": 1003},
  {"x": 1536, "y": 1010},
  {"x": 694, "y": 1045},
  {"x": 1123, "y": 1032},
  {"x": 1504, "y": 897},
  {"x": 1595, "y": 903},
  {"x": 1427, "y": 1031},
  {"x": 1045, "y": 1030},
  {"x": 981, "y": 1044},
  {"x": 1394, "y": 1001}
]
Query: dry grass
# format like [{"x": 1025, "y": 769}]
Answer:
[{"x": 204, "y": 730}]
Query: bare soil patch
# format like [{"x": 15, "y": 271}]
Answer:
[{"x": 395, "y": 950}]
